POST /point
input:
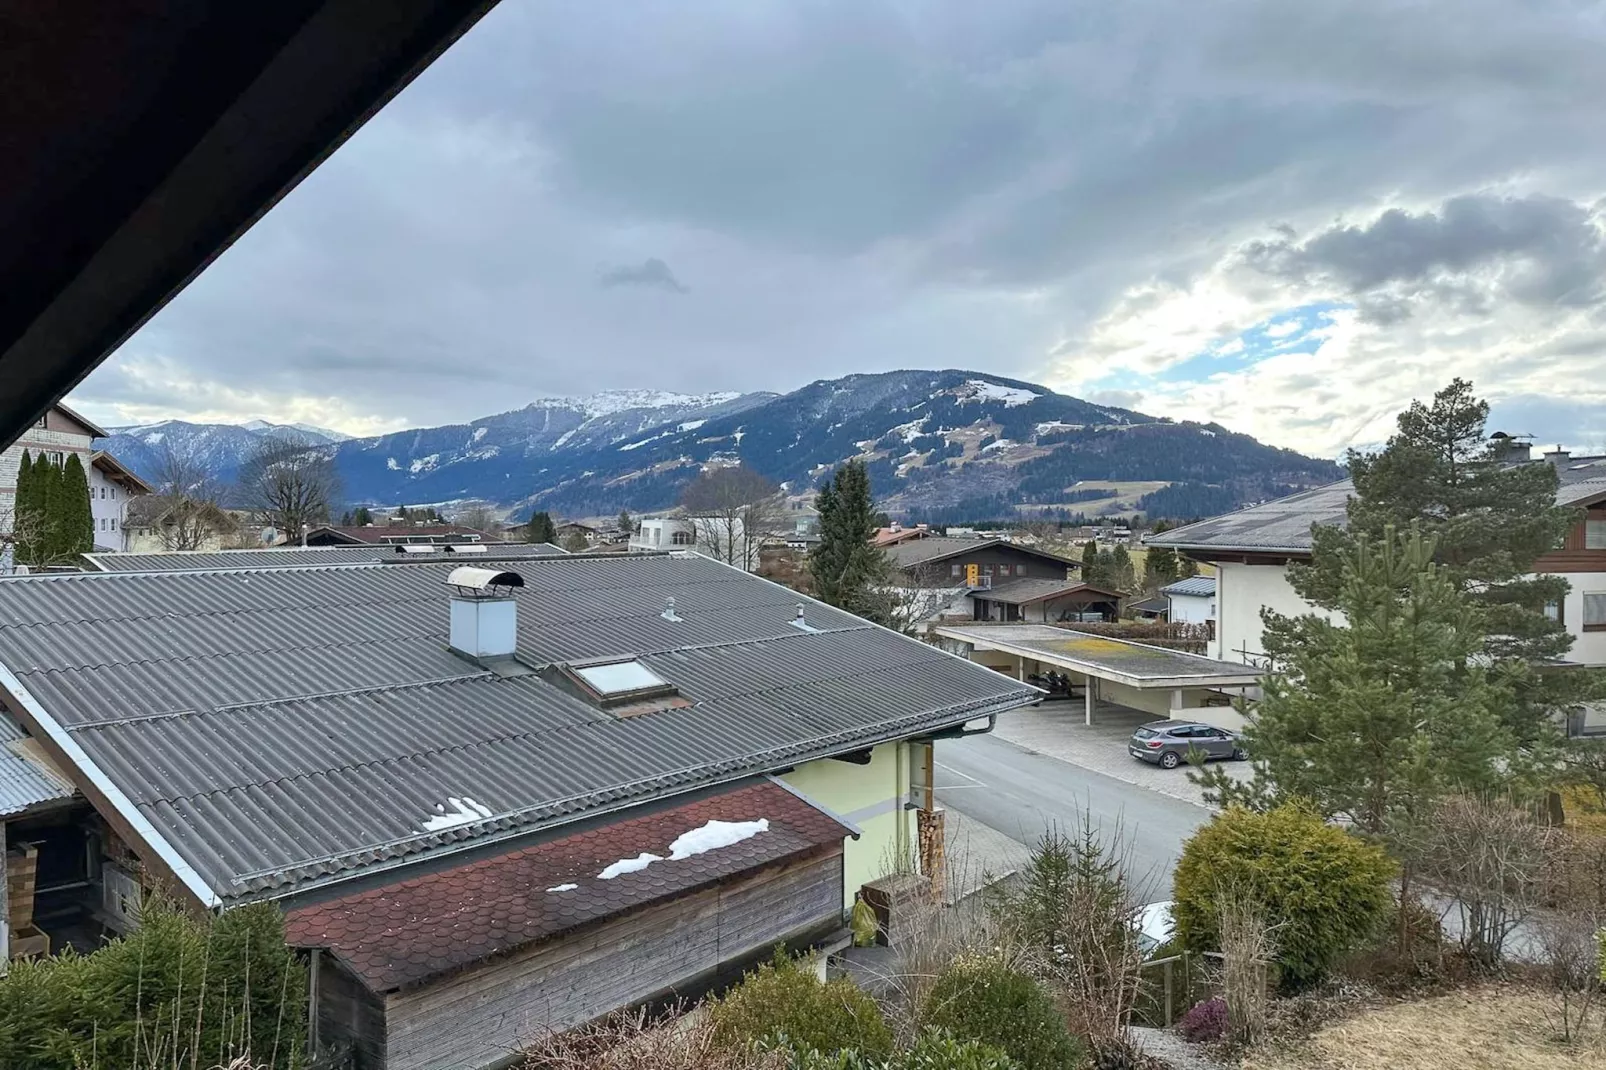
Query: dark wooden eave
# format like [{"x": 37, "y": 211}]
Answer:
[{"x": 142, "y": 138}]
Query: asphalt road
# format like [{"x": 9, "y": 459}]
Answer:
[{"x": 1021, "y": 794}]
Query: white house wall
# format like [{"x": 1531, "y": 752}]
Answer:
[
  {"x": 1588, "y": 647},
  {"x": 1241, "y": 592},
  {"x": 108, "y": 504},
  {"x": 1190, "y": 609}
]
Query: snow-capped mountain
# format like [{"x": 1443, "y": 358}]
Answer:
[
  {"x": 306, "y": 429},
  {"x": 936, "y": 442}
]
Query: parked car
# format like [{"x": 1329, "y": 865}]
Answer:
[
  {"x": 1167, "y": 743},
  {"x": 1154, "y": 926}
]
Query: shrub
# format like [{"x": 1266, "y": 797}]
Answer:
[
  {"x": 185, "y": 988},
  {"x": 784, "y": 999},
  {"x": 980, "y": 998},
  {"x": 1324, "y": 891},
  {"x": 1204, "y": 1022}
]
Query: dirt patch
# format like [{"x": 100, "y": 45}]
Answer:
[{"x": 1496, "y": 1028}]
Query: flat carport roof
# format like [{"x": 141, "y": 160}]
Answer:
[{"x": 1116, "y": 660}]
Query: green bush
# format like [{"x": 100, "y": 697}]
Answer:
[
  {"x": 784, "y": 999},
  {"x": 934, "y": 1050},
  {"x": 980, "y": 998},
  {"x": 1325, "y": 891},
  {"x": 182, "y": 987}
]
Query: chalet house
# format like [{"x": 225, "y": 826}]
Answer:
[
  {"x": 943, "y": 561},
  {"x": 494, "y": 796},
  {"x": 394, "y": 534},
  {"x": 1253, "y": 548},
  {"x": 112, "y": 489},
  {"x": 1045, "y": 602}
]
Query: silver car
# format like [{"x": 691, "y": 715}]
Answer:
[{"x": 1167, "y": 743}]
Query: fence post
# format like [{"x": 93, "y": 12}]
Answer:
[{"x": 1168, "y": 989}]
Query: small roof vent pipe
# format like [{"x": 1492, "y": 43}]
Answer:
[{"x": 669, "y": 610}]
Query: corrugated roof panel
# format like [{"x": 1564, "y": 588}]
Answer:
[
  {"x": 24, "y": 781},
  {"x": 287, "y": 725}
]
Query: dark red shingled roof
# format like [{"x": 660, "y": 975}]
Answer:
[{"x": 404, "y": 933}]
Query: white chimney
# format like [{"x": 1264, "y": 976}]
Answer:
[{"x": 484, "y": 620}]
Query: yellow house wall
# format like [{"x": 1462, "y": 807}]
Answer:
[{"x": 871, "y": 797}]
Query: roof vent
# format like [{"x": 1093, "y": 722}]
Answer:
[
  {"x": 484, "y": 621},
  {"x": 472, "y": 548},
  {"x": 414, "y": 548},
  {"x": 800, "y": 623},
  {"x": 669, "y": 610}
]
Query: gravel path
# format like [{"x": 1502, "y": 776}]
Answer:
[{"x": 1164, "y": 1044}]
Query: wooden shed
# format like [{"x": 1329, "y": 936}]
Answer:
[{"x": 460, "y": 969}]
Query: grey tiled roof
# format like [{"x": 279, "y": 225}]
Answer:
[
  {"x": 299, "y": 557},
  {"x": 1284, "y": 525},
  {"x": 24, "y": 782},
  {"x": 1020, "y": 592},
  {"x": 939, "y": 547},
  {"x": 283, "y": 727},
  {"x": 1195, "y": 586}
]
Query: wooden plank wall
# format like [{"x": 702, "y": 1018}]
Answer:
[
  {"x": 479, "y": 1017},
  {"x": 349, "y": 1015}
]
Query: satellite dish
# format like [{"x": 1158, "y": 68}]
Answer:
[{"x": 269, "y": 536}]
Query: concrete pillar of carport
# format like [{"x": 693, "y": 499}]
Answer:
[
  {"x": 1091, "y": 684},
  {"x": 1176, "y": 700}
]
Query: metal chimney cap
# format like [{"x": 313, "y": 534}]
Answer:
[{"x": 483, "y": 581}]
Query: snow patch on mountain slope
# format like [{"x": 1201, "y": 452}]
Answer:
[
  {"x": 609, "y": 402},
  {"x": 982, "y": 390}
]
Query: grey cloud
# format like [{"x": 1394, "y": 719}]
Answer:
[
  {"x": 651, "y": 273},
  {"x": 1547, "y": 250},
  {"x": 867, "y": 183}
]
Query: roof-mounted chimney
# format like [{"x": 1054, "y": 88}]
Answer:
[
  {"x": 1506, "y": 447},
  {"x": 484, "y": 621},
  {"x": 1558, "y": 455}
]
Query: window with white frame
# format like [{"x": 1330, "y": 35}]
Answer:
[{"x": 1595, "y": 534}]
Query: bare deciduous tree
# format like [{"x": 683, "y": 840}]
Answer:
[
  {"x": 1489, "y": 858},
  {"x": 478, "y": 515},
  {"x": 183, "y": 510},
  {"x": 733, "y": 509},
  {"x": 289, "y": 485},
  {"x": 1248, "y": 950}
]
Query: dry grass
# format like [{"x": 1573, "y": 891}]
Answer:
[{"x": 1492, "y": 1028}]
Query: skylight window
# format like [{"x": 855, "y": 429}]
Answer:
[{"x": 619, "y": 678}]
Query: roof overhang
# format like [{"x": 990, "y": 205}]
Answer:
[
  {"x": 997, "y": 637},
  {"x": 143, "y": 139},
  {"x": 120, "y": 472}
]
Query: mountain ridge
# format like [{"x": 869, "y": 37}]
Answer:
[{"x": 937, "y": 442}]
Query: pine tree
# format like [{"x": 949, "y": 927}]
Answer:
[
  {"x": 627, "y": 523},
  {"x": 1490, "y": 520},
  {"x": 844, "y": 565},
  {"x": 1375, "y": 718},
  {"x": 77, "y": 518},
  {"x": 361, "y": 517},
  {"x": 541, "y": 528}
]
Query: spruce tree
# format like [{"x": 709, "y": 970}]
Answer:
[
  {"x": 1093, "y": 572},
  {"x": 48, "y": 505},
  {"x": 1122, "y": 572},
  {"x": 541, "y": 528},
  {"x": 77, "y": 518},
  {"x": 1490, "y": 520},
  {"x": 845, "y": 567},
  {"x": 1161, "y": 568},
  {"x": 626, "y": 523}
]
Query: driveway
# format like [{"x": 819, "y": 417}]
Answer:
[
  {"x": 1056, "y": 729},
  {"x": 1021, "y": 794}
]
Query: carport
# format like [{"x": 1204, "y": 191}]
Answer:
[{"x": 1166, "y": 683}]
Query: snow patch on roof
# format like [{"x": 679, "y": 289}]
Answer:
[
  {"x": 628, "y": 865},
  {"x": 464, "y": 811},
  {"x": 714, "y": 835},
  {"x": 563, "y": 888}
]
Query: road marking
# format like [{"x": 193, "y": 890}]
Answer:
[{"x": 956, "y": 772}]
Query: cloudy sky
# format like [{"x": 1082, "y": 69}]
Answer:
[{"x": 1289, "y": 218}]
